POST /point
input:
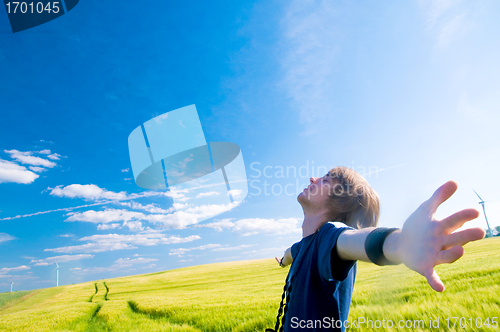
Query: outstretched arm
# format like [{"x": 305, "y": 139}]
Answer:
[{"x": 423, "y": 242}]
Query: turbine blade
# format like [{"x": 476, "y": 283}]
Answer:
[{"x": 478, "y": 195}]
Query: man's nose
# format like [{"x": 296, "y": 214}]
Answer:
[{"x": 313, "y": 180}]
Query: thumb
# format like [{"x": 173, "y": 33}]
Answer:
[{"x": 434, "y": 280}]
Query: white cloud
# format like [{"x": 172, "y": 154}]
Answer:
[
  {"x": 253, "y": 226},
  {"x": 12, "y": 172},
  {"x": 104, "y": 227},
  {"x": 208, "y": 193},
  {"x": 235, "y": 193},
  {"x": 6, "y": 270},
  {"x": 125, "y": 262},
  {"x": 37, "y": 169},
  {"x": 133, "y": 225},
  {"x": 182, "y": 251},
  {"x": 46, "y": 151},
  {"x": 6, "y": 237},
  {"x": 218, "y": 225},
  {"x": 27, "y": 158},
  {"x": 121, "y": 263},
  {"x": 177, "y": 195},
  {"x": 59, "y": 259},
  {"x": 54, "y": 156},
  {"x": 180, "y": 206},
  {"x": 243, "y": 246},
  {"x": 276, "y": 251},
  {"x": 110, "y": 242},
  {"x": 87, "y": 191},
  {"x": 125, "y": 170},
  {"x": 106, "y": 216},
  {"x": 190, "y": 216},
  {"x": 152, "y": 208},
  {"x": 50, "y": 211},
  {"x": 93, "y": 247}
]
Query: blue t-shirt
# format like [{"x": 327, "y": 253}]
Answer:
[{"x": 322, "y": 283}]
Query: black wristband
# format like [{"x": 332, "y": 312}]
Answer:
[{"x": 374, "y": 245}]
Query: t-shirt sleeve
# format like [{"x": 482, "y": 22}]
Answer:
[
  {"x": 330, "y": 265},
  {"x": 295, "y": 249}
]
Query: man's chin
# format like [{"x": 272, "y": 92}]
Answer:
[{"x": 302, "y": 197}]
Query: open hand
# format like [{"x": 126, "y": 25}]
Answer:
[{"x": 425, "y": 241}]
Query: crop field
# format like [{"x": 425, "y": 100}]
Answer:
[{"x": 244, "y": 296}]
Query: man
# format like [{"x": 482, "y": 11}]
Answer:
[{"x": 321, "y": 278}]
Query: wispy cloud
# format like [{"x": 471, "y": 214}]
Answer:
[
  {"x": 111, "y": 242},
  {"x": 28, "y": 158},
  {"x": 6, "y": 270},
  {"x": 51, "y": 211},
  {"x": 94, "y": 192},
  {"x": 4, "y": 237},
  {"x": 119, "y": 264},
  {"x": 252, "y": 226},
  {"x": 182, "y": 251},
  {"x": 106, "y": 216},
  {"x": 448, "y": 20},
  {"x": 275, "y": 251},
  {"x": 243, "y": 246},
  {"x": 87, "y": 191},
  {"x": 213, "y": 246},
  {"x": 59, "y": 259},
  {"x": 310, "y": 45}
]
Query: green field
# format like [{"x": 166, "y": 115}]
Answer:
[{"x": 243, "y": 296}]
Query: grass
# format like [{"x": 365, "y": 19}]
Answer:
[
  {"x": 244, "y": 296},
  {"x": 9, "y": 298}
]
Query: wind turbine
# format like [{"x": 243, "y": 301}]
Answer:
[
  {"x": 57, "y": 269},
  {"x": 11, "y": 283},
  {"x": 482, "y": 204}
]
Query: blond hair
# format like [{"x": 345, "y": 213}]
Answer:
[{"x": 352, "y": 200}]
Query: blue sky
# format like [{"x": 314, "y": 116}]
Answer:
[{"x": 405, "y": 93}]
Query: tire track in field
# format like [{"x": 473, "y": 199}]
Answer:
[
  {"x": 96, "y": 290},
  {"x": 107, "y": 291},
  {"x": 97, "y": 322},
  {"x": 156, "y": 314}
]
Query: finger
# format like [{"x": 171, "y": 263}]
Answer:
[
  {"x": 463, "y": 237},
  {"x": 456, "y": 220},
  {"x": 434, "y": 280},
  {"x": 450, "y": 255},
  {"x": 442, "y": 194},
  {"x": 277, "y": 260}
]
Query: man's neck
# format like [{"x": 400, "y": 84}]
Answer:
[{"x": 312, "y": 222}]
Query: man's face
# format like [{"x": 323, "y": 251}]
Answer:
[{"x": 316, "y": 194}]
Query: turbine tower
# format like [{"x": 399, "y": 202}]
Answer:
[
  {"x": 482, "y": 204},
  {"x": 11, "y": 283},
  {"x": 57, "y": 269}
]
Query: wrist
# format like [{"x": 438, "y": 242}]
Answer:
[{"x": 391, "y": 246}]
